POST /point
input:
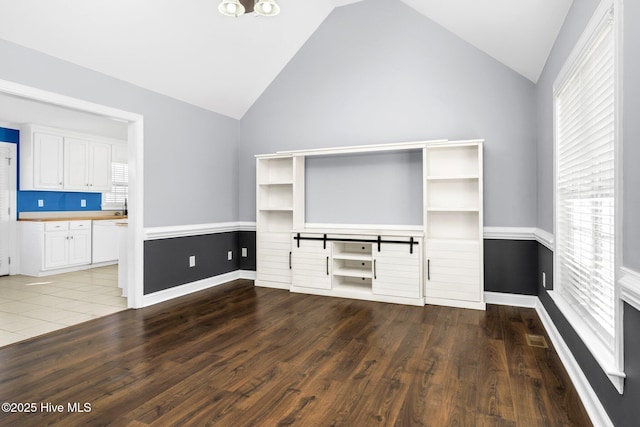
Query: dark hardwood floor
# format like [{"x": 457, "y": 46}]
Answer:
[{"x": 243, "y": 356}]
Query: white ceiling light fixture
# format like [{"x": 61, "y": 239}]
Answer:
[
  {"x": 231, "y": 8},
  {"x": 240, "y": 7},
  {"x": 267, "y": 7}
]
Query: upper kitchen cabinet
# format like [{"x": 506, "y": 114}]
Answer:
[
  {"x": 87, "y": 165},
  {"x": 41, "y": 162},
  {"x": 54, "y": 159}
]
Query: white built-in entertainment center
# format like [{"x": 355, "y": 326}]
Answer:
[{"x": 438, "y": 262}]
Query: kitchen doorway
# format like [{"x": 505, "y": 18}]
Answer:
[{"x": 133, "y": 273}]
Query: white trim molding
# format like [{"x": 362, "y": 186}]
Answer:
[
  {"x": 169, "y": 232},
  {"x": 189, "y": 288},
  {"x": 544, "y": 238},
  {"x": 592, "y": 404},
  {"x": 247, "y": 226},
  {"x": 590, "y": 400},
  {"x": 515, "y": 300},
  {"x": 510, "y": 233},
  {"x": 630, "y": 287},
  {"x": 520, "y": 233}
]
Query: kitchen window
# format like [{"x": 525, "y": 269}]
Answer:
[{"x": 116, "y": 198}]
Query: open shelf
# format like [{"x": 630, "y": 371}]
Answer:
[
  {"x": 453, "y": 225},
  {"x": 352, "y": 272},
  {"x": 446, "y": 161},
  {"x": 276, "y": 220},
  {"x": 346, "y": 283},
  {"x": 275, "y": 197},
  {"x": 452, "y": 195},
  {"x": 453, "y": 209},
  {"x": 276, "y": 171},
  {"x": 452, "y": 177},
  {"x": 352, "y": 256}
]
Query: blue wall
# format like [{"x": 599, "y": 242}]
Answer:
[
  {"x": 57, "y": 201},
  {"x": 53, "y": 201},
  {"x": 9, "y": 135}
]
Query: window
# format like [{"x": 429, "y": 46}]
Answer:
[
  {"x": 585, "y": 154},
  {"x": 119, "y": 187}
]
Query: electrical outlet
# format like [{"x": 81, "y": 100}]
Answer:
[
  {"x": 192, "y": 261},
  {"x": 83, "y": 203},
  {"x": 229, "y": 255},
  {"x": 244, "y": 252},
  {"x": 40, "y": 203},
  {"x": 544, "y": 280}
]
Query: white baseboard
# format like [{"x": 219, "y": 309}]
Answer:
[
  {"x": 247, "y": 274},
  {"x": 592, "y": 404},
  {"x": 516, "y": 300},
  {"x": 192, "y": 287}
]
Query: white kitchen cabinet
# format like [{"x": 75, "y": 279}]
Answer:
[
  {"x": 79, "y": 243},
  {"x": 56, "y": 249},
  {"x": 51, "y": 247},
  {"x": 55, "y": 159},
  {"x": 87, "y": 165},
  {"x": 46, "y": 160}
]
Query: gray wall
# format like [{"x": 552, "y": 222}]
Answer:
[
  {"x": 380, "y": 72},
  {"x": 577, "y": 18},
  {"x": 396, "y": 180},
  {"x": 190, "y": 156},
  {"x": 631, "y": 131}
]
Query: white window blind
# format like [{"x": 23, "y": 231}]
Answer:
[
  {"x": 585, "y": 184},
  {"x": 119, "y": 186}
]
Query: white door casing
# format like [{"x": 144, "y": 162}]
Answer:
[{"x": 7, "y": 203}]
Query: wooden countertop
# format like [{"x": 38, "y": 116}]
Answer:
[{"x": 77, "y": 218}]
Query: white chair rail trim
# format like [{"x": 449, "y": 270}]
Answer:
[
  {"x": 520, "y": 233},
  {"x": 168, "y": 232},
  {"x": 630, "y": 287}
]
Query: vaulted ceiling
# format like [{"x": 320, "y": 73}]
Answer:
[{"x": 187, "y": 50}]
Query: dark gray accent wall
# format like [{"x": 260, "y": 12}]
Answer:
[
  {"x": 510, "y": 266},
  {"x": 166, "y": 261},
  {"x": 623, "y": 410},
  {"x": 190, "y": 154},
  {"x": 380, "y": 72},
  {"x": 247, "y": 239}
]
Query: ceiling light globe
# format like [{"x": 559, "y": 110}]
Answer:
[
  {"x": 267, "y": 8},
  {"x": 231, "y": 8}
]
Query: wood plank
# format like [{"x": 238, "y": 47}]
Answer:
[{"x": 237, "y": 354}]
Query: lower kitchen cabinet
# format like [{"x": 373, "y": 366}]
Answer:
[{"x": 51, "y": 247}]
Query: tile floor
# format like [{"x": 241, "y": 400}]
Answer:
[{"x": 31, "y": 306}]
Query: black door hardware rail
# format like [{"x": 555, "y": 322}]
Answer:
[{"x": 411, "y": 242}]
